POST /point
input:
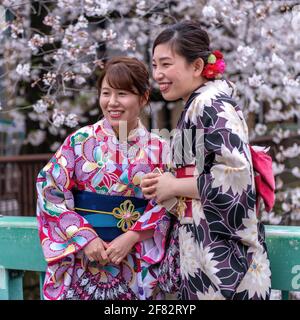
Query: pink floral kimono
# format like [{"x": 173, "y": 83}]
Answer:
[{"x": 92, "y": 159}]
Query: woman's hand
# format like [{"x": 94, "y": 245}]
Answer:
[
  {"x": 148, "y": 185},
  {"x": 165, "y": 187},
  {"x": 119, "y": 248},
  {"x": 95, "y": 251}
]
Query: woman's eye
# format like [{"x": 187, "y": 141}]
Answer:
[
  {"x": 105, "y": 93},
  {"x": 166, "y": 64},
  {"x": 122, "y": 93},
  {"x": 154, "y": 66}
]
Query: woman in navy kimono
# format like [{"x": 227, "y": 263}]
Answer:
[{"x": 221, "y": 242}]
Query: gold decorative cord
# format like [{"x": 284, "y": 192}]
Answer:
[{"x": 126, "y": 214}]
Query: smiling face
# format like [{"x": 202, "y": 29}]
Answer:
[
  {"x": 177, "y": 78},
  {"x": 120, "y": 105}
]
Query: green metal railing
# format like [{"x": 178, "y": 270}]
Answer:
[
  {"x": 283, "y": 244},
  {"x": 20, "y": 251}
]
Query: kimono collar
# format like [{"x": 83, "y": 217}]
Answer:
[
  {"x": 133, "y": 137},
  {"x": 212, "y": 89}
]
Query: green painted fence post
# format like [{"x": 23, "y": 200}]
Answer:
[
  {"x": 4, "y": 291},
  {"x": 285, "y": 295},
  {"x": 16, "y": 284},
  {"x": 42, "y": 279},
  {"x": 11, "y": 284}
]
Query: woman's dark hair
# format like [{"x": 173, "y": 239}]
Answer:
[
  {"x": 187, "y": 39},
  {"x": 127, "y": 74}
]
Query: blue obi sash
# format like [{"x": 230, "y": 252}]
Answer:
[{"x": 110, "y": 216}]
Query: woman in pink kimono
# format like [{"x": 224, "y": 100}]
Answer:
[{"x": 100, "y": 237}]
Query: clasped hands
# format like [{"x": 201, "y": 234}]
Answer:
[
  {"x": 114, "y": 251},
  {"x": 158, "y": 187}
]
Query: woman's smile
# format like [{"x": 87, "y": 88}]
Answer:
[
  {"x": 165, "y": 86},
  {"x": 115, "y": 114}
]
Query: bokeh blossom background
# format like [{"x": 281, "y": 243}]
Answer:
[{"x": 51, "y": 53}]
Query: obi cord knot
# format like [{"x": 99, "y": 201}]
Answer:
[{"x": 126, "y": 215}]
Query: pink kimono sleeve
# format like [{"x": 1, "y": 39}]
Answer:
[
  {"x": 152, "y": 250},
  {"x": 62, "y": 231}
]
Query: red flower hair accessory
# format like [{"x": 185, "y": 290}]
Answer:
[{"x": 215, "y": 66}]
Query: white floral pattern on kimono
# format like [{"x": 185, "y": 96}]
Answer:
[{"x": 222, "y": 250}]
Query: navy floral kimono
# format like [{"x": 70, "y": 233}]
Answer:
[{"x": 222, "y": 244}]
